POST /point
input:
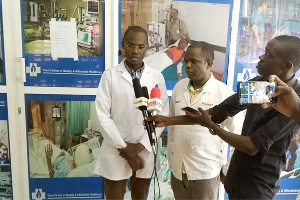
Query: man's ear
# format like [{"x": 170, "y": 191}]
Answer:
[
  {"x": 122, "y": 44},
  {"x": 209, "y": 63},
  {"x": 288, "y": 66}
]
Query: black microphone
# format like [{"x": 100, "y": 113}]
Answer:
[
  {"x": 139, "y": 103},
  {"x": 151, "y": 125}
]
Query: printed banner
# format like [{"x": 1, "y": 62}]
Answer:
[
  {"x": 5, "y": 167},
  {"x": 41, "y": 70},
  {"x": 271, "y": 19},
  {"x": 193, "y": 15},
  {"x": 50, "y": 36},
  {"x": 63, "y": 145}
]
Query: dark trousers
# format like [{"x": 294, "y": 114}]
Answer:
[{"x": 116, "y": 189}]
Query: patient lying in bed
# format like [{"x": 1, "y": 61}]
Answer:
[
  {"x": 61, "y": 163},
  {"x": 65, "y": 162},
  {"x": 165, "y": 58}
]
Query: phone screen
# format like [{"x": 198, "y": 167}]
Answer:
[
  {"x": 255, "y": 92},
  {"x": 191, "y": 110}
]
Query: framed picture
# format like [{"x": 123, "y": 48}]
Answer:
[{"x": 56, "y": 112}]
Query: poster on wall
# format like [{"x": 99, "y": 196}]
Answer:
[
  {"x": 63, "y": 42},
  {"x": 63, "y": 144},
  {"x": 259, "y": 22},
  {"x": 158, "y": 19},
  {"x": 5, "y": 167},
  {"x": 192, "y": 16}
]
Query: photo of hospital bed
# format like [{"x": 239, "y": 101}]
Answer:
[
  {"x": 38, "y": 163},
  {"x": 161, "y": 62}
]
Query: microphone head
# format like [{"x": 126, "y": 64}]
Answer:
[
  {"x": 155, "y": 93},
  {"x": 137, "y": 88},
  {"x": 145, "y": 92},
  {"x": 140, "y": 102}
]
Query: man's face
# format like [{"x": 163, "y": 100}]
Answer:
[
  {"x": 271, "y": 62},
  {"x": 173, "y": 14},
  {"x": 135, "y": 47},
  {"x": 197, "y": 68}
]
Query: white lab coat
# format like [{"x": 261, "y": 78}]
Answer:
[
  {"x": 120, "y": 122},
  {"x": 201, "y": 152}
]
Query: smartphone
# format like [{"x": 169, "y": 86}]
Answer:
[
  {"x": 256, "y": 92},
  {"x": 191, "y": 110}
]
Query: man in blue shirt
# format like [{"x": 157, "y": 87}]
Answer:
[{"x": 258, "y": 26}]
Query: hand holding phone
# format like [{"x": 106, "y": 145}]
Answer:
[
  {"x": 190, "y": 110},
  {"x": 256, "y": 92}
]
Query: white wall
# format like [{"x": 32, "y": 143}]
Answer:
[{"x": 205, "y": 21}]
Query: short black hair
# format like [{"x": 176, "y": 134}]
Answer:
[
  {"x": 290, "y": 50},
  {"x": 206, "y": 49},
  {"x": 135, "y": 29}
]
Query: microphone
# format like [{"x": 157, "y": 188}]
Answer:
[
  {"x": 141, "y": 103},
  {"x": 151, "y": 125},
  {"x": 154, "y": 104}
]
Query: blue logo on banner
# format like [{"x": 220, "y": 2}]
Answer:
[
  {"x": 33, "y": 69},
  {"x": 67, "y": 188},
  {"x": 41, "y": 70},
  {"x": 38, "y": 195}
]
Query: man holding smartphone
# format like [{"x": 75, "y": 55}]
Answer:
[
  {"x": 260, "y": 151},
  {"x": 195, "y": 156},
  {"x": 287, "y": 101}
]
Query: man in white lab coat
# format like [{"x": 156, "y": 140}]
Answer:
[
  {"x": 195, "y": 155},
  {"x": 126, "y": 152}
]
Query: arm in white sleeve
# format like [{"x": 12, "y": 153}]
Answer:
[
  {"x": 172, "y": 113},
  {"x": 165, "y": 103},
  {"x": 179, "y": 68},
  {"x": 145, "y": 142},
  {"x": 103, "y": 103}
]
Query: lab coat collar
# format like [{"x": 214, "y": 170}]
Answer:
[
  {"x": 125, "y": 73},
  {"x": 209, "y": 84}
]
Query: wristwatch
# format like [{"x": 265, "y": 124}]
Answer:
[{"x": 211, "y": 127}]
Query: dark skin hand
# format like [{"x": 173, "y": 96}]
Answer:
[
  {"x": 288, "y": 102},
  {"x": 130, "y": 153},
  {"x": 135, "y": 163},
  {"x": 131, "y": 150}
]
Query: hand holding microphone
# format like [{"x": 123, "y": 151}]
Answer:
[{"x": 141, "y": 103}]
